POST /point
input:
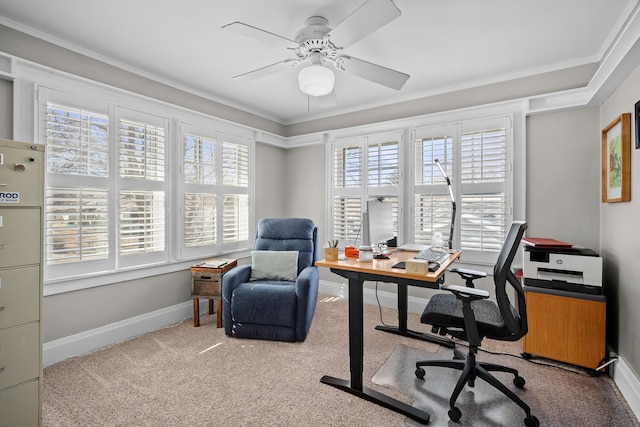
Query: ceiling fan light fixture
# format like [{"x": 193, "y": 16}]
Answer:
[{"x": 316, "y": 80}]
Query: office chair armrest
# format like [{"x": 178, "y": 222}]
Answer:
[
  {"x": 466, "y": 292},
  {"x": 469, "y": 275}
]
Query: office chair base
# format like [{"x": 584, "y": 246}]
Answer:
[{"x": 470, "y": 371}]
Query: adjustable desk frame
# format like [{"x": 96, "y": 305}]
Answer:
[{"x": 378, "y": 270}]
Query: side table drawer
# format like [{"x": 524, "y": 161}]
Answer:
[{"x": 206, "y": 284}]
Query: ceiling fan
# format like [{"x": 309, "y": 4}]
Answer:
[{"x": 317, "y": 46}]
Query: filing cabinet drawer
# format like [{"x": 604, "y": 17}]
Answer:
[
  {"x": 19, "y": 406},
  {"x": 19, "y": 354},
  {"x": 20, "y": 237},
  {"x": 19, "y": 296},
  {"x": 21, "y": 174}
]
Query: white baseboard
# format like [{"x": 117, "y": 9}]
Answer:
[
  {"x": 628, "y": 384},
  {"x": 105, "y": 336}
]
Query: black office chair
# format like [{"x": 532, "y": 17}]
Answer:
[{"x": 467, "y": 314}]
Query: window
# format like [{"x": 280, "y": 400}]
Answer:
[
  {"x": 77, "y": 195},
  {"x": 216, "y": 191},
  {"x": 142, "y": 188},
  {"x": 363, "y": 168},
  {"x": 475, "y": 155},
  {"x": 119, "y": 195}
]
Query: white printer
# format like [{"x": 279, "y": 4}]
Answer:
[{"x": 569, "y": 269}]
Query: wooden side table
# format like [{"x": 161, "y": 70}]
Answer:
[{"x": 206, "y": 282}]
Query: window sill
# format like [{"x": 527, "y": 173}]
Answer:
[{"x": 72, "y": 284}]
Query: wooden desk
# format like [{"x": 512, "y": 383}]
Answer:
[{"x": 377, "y": 270}]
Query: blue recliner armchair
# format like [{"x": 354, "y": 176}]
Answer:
[{"x": 260, "y": 300}]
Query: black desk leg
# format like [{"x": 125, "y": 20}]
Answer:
[
  {"x": 356, "y": 361},
  {"x": 403, "y": 308}
]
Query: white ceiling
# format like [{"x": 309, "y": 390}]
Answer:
[{"x": 444, "y": 45}]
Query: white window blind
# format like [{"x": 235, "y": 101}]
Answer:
[
  {"x": 200, "y": 163},
  {"x": 475, "y": 155},
  {"x": 142, "y": 222},
  {"x": 77, "y": 141},
  {"x": 76, "y": 225},
  {"x": 141, "y": 151},
  {"x": 142, "y": 225},
  {"x": 76, "y": 198},
  {"x": 363, "y": 168},
  {"x": 216, "y": 191},
  {"x": 235, "y": 180}
]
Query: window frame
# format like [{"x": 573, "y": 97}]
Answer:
[
  {"x": 220, "y": 190},
  {"x": 362, "y": 191},
  {"x": 515, "y": 111},
  {"x": 30, "y": 89},
  {"x": 455, "y": 131}
]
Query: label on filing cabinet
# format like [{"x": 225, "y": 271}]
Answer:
[{"x": 9, "y": 197}]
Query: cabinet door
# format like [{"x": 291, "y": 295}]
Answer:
[
  {"x": 19, "y": 296},
  {"x": 19, "y": 354},
  {"x": 570, "y": 330},
  {"x": 20, "y": 237}
]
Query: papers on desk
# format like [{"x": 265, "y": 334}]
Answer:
[{"x": 412, "y": 247}]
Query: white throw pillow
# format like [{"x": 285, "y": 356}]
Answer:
[{"x": 274, "y": 265}]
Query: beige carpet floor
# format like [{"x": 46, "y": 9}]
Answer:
[{"x": 186, "y": 376}]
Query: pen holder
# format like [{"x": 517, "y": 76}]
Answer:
[{"x": 331, "y": 254}]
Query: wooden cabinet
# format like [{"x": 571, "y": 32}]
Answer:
[
  {"x": 566, "y": 326},
  {"x": 21, "y": 219},
  {"x": 206, "y": 282}
]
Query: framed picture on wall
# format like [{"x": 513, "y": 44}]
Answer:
[
  {"x": 637, "y": 122},
  {"x": 616, "y": 162}
]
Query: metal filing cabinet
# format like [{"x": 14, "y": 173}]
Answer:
[{"x": 21, "y": 219}]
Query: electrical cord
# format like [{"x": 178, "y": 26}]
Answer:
[
  {"x": 535, "y": 362},
  {"x": 379, "y": 306}
]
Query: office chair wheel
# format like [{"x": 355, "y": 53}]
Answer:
[
  {"x": 531, "y": 421},
  {"x": 455, "y": 414},
  {"x": 519, "y": 382},
  {"x": 420, "y": 373}
]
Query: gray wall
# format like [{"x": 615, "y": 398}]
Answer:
[
  {"x": 270, "y": 174},
  {"x": 74, "y": 312},
  {"x": 620, "y": 239},
  {"x": 563, "y": 176}
]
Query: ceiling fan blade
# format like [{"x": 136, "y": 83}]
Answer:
[
  {"x": 257, "y": 33},
  {"x": 269, "y": 69},
  {"x": 375, "y": 73},
  {"x": 370, "y": 16}
]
